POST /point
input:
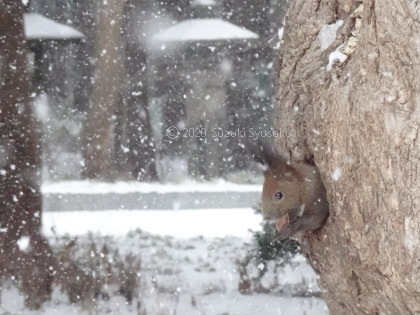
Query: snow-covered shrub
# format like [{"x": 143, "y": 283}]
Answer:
[
  {"x": 269, "y": 255},
  {"x": 92, "y": 270},
  {"x": 271, "y": 248}
]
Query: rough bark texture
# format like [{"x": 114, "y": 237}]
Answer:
[
  {"x": 20, "y": 165},
  {"x": 360, "y": 121}
]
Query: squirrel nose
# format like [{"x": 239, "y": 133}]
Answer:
[{"x": 269, "y": 213}]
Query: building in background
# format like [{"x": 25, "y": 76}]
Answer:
[
  {"x": 201, "y": 53},
  {"x": 212, "y": 68}
]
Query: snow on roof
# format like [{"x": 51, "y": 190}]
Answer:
[
  {"x": 204, "y": 29},
  {"x": 203, "y": 3},
  {"x": 41, "y": 27}
]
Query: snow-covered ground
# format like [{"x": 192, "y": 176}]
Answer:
[
  {"x": 187, "y": 276},
  {"x": 190, "y": 260},
  {"x": 177, "y": 223},
  {"x": 94, "y": 187}
]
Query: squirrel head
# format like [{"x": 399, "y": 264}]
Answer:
[
  {"x": 282, "y": 191},
  {"x": 286, "y": 192},
  {"x": 293, "y": 194}
]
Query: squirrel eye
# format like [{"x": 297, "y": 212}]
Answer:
[{"x": 278, "y": 196}]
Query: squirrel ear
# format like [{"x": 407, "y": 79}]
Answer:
[
  {"x": 283, "y": 171},
  {"x": 262, "y": 152}
]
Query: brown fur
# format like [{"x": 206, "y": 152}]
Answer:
[{"x": 304, "y": 197}]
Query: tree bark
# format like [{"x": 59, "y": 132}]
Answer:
[
  {"x": 98, "y": 149},
  {"x": 20, "y": 165},
  {"x": 359, "y": 120}
]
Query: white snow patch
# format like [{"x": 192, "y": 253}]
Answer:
[
  {"x": 336, "y": 174},
  {"x": 177, "y": 223},
  {"x": 92, "y": 187},
  {"x": 203, "y": 29},
  {"x": 23, "y": 243},
  {"x": 280, "y": 33},
  {"x": 328, "y": 33},
  {"x": 335, "y": 55},
  {"x": 203, "y": 3},
  {"x": 40, "y": 27}
]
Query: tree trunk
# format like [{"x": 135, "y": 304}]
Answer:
[
  {"x": 138, "y": 157},
  {"x": 98, "y": 149},
  {"x": 20, "y": 165},
  {"x": 359, "y": 119},
  {"x": 141, "y": 155}
]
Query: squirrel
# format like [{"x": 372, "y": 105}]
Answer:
[{"x": 293, "y": 195}]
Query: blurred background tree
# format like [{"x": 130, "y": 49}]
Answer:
[
  {"x": 110, "y": 98},
  {"x": 25, "y": 255},
  {"x": 98, "y": 145},
  {"x": 88, "y": 93}
]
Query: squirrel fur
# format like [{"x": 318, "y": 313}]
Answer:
[
  {"x": 294, "y": 197},
  {"x": 293, "y": 194}
]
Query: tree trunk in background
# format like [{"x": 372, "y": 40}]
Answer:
[
  {"x": 140, "y": 158},
  {"x": 98, "y": 149},
  {"x": 20, "y": 165},
  {"x": 360, "y": 121},
  {"x": 141, "y": 155}
]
